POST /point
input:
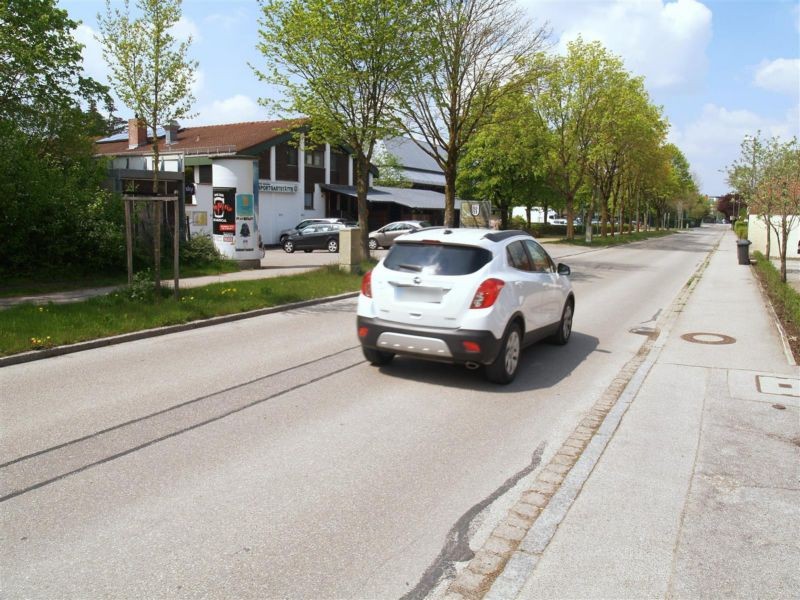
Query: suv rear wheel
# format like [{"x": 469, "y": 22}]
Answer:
[
  {"x": 377, "y": 357},
  {"x": 504, "y": 368}
]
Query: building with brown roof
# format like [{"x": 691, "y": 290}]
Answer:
[
  {"x": 217, "y": 165},
  {"x": 226, "y": 172}
]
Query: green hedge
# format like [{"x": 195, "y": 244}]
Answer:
[{"x": 785, "y": 299}]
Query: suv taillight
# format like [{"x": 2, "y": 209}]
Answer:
[
  {"x": 487, "y": 293},
  {"x": 366, "y": 284}
]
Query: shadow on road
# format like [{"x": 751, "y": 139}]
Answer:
[{"x": 541, "y": 366}]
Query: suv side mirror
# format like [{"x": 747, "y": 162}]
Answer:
[{"x": 563, "y": 269}]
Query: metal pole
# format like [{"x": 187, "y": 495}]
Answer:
[
  {"x": 129, "y": 240},
  {"x": 176, "y": 246}
]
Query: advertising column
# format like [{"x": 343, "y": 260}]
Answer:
[
  {"x": 223, "y": 217},
  {"x": 235, "y": 210}
]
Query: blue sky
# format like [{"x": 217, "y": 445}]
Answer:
[{"x": 720, "y": 69}]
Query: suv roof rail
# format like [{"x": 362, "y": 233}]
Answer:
[{"x": 499, "y": 236}]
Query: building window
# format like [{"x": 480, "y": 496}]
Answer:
[
  {"x": 315, "y": 158},
  {"x": 309, "y": 202},
  {"x": 291, "y": 156},
  {"x": 204, "y": 174}
]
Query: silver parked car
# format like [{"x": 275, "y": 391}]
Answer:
[{"x": 385, "y": 236}]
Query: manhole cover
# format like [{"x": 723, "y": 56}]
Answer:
[
  {"x": 779, "y": 386},
  {"x": 715, "y": 339}
]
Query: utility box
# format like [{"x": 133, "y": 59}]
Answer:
[{"x": 350, "y": 255}]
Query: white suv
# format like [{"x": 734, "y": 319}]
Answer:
[{"x": 467, "y": 296}]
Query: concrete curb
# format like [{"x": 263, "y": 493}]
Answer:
[{"x": 24, "y": 357}]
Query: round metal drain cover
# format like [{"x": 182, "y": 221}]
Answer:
[{"x": 716, "y": 339}]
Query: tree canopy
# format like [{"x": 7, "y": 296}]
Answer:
[
  {"x": 342, "y": 64},
  {"x": 54, "y": 212},
  {"x": 474, "y": 54}
]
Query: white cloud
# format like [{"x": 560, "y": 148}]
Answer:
[
  {"x": 664, "y": 41},
  {"x": 199, "y": 82},
  {"x": 185, "y": 28},
  {"x": 225, "y": 21},
  {"x": 236, "y": 109},
  {"x": 93, "y": 63},
  {"x": 712, "y": 141},
  {"x": 781, "y": 75}
]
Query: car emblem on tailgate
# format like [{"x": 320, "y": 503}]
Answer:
[{"x": 417, "y": 280}]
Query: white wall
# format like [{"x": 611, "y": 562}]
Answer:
[
  {"x": 284, "y": 210},
  {"x": 537, "y": 214},
  {"x": 757, "y": 233}
]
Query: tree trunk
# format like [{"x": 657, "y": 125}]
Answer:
[
  {"x": 783, "y": 245},
  {"x": 449, "y": 192},
  {"x": 362, "y": 185},
  {"x": 157, "y": 222},
  {"x": 569, "y": 202}
]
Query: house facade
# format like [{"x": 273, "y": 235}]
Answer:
[{"x": 243, "y": 183}]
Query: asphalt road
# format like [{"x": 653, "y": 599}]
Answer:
[{"x": 266, "y": 458}]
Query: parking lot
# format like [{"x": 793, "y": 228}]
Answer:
[{"x": 297, "y": 262}]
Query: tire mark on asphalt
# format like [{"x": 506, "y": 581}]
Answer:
[
  {"x": 456, "y": 547},
  {"x": 27, "y": 467}
]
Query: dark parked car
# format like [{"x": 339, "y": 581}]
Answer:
[
  {"x": 385, "y": 236},
  {"x": 318, "y": 236},
  {"x": 284, "y": 235}
]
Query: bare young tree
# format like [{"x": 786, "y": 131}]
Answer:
[
  {"x": 476, "y": 53},
  {"x": 778, "y": 193},
  {"x": 150, "y": 72}
]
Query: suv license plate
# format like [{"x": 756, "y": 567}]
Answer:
[{"x": 418, "y": 294}]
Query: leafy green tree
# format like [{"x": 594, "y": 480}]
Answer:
[
  {"x": 630, "y": 128},
  {"x": 746, "y": 174},
  {"x": 342, "y": 65},
  {"x": 150, "y": 72},
  {"x": 54, "y": 214},
  {"x": 389, "y": 169},
  {"x": 502, "y": 160},
  {"x": 568, "y": 101},
  {"x": 473, "y": 49}
]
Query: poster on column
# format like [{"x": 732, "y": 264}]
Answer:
[
  {"x": 223, "y": 213},
  {"x": 245, "y": 222}
]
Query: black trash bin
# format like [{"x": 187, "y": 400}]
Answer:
[{"x": 743, "y": 251}]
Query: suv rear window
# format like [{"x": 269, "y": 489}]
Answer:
[{"x": 436, "y": 259}]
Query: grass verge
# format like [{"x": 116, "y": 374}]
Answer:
[
  {"x": 28, "y": 327},
  {"x": 617, "y": 240},
  {"x": 65, "y": 281},
  {"x": 785, "y": 300}
]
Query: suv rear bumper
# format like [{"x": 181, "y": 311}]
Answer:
[{"x": 446, "y": 345}]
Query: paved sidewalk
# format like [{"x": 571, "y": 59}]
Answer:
[{"x": 697, "y": 492}]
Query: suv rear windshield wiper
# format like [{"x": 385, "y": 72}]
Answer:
[{"x": 407, "y": 267}]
